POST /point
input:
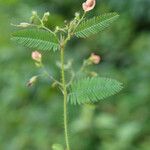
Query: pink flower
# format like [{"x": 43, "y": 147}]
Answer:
[
  {"x": 95, "y": 59},
  {"x": 88, "y": 5},
  {"x": 36, "y": 56}
]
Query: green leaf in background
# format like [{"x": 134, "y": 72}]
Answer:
[
  {"x": 95, "y": 25},
  {"x": 57, "y": 147},
  {"x": 36, "y": 38},
  {"x": 91, "y": 90}
]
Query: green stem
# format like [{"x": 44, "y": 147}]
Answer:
[
  {"x": 63, "y": 42},
  {"x": 65, "y": 98}
]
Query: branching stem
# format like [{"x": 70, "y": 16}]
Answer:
[{"x": 63, "y": 42}]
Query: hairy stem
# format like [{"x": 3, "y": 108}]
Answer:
[
  {"x": 63, "y": 42},
  {"x": 65, "y": 98}
]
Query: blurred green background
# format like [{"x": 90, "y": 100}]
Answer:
[{"x": 31, "y": 118}]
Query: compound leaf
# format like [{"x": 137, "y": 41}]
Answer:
[
  {"x": 95, "y": 25},
  {"x": 36, "y": 38},
  {"x": 90, "y": 90}
]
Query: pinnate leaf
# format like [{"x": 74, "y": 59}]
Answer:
[
  {"x": 36, "y": 38},
  {"x": 95, "y": 25},
  {"x": 90, "y": 90}
]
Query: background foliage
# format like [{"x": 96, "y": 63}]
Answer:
[{"x": 30, "y": 118}]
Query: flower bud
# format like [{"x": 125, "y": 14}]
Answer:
[
  {"x": 46, "y": 14},
  {"x": 93, "y": 74},
  {"x": 34, "y": 16},
  {"x": 88, "y": 5},
  {"x": 36, "y": 56},
  {"x": 45, "y": 17},
  {"x": 32, "y": 81},
  {"x": 77, "y": 15},
  {"x": 24, "y": 25},
  {"x": 34, "y": 13},
  {"x": 95, "y": 59},
  {"x": 57, "y": 28},
  {"x": 57, "y": 147}
]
